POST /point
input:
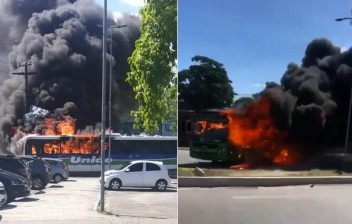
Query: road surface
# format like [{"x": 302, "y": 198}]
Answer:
[{"x": 280, "y": 205}]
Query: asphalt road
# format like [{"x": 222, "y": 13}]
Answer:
[{"x": 280, "y": 205}]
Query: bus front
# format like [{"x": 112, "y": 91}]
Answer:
[{"x": 209, "y": 140}]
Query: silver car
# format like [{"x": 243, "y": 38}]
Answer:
[{"x": 59, "y": 169}]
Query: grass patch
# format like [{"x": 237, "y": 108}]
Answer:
[{"x": 189, "y": 172}]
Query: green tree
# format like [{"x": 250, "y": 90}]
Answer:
[
  {"x": 153, "y": 65},
  {"x": 204, "y": 85}
]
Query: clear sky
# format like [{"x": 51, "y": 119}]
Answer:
[
  {"x": 122, "y": 5},
  {"x": 256, "y": 39}
]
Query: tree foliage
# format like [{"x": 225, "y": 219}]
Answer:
[
  {"x": 204, "y": 85},
  {"x": 153, "y": 65}
]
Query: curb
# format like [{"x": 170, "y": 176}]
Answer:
[{"x": 259, "y": 181}]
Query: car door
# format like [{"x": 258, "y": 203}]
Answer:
[
  {"x": 133, "y": 176},
  {"x": 152, "y": 174}
]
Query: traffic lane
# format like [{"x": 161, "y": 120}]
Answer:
[
  {"x": 148, "y": 203},
  {"x": 271, "y": 205}
]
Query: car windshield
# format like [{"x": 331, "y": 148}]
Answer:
[{"x": 124, "y": 166}]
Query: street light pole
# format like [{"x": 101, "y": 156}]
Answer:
[
  {"x": 343, "y": 18},
  {"x": 349, "y": 109},
  {"x": 110, "y": 87},
  {"x": 103, "y": 109},
  {"x": 110, "y": 90}
]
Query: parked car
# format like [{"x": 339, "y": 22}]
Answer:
[
  {"x": 59, "y": 169},
  {"x": 3, "y": 194},
  {"x": 40, "y": 170},
  {"x": 15, "y": 165},
  {"x": 138, "y": 174},
  {"x": 15, "y": 185}
]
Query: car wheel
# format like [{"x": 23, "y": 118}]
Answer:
[
  {"x": 115, "y": 184},
  {"x": 161, "y": 185},
  {"x": 58, "y": 178},
  {"x": 37, "y": 183}
]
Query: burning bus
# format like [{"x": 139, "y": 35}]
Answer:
[
  {"x": 82, "y": 153},
  {"x": 210, "y": 134},
  {"x": 209, "y": 137},
  {"x": 246, "y": 134},
  {"x": 81, "y": 150}
]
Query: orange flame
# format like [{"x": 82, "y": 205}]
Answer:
[
  {"x": 201, "y": 127},
  {"x": 283, "y": 158},
  {"x": 256, "y": 130},
  {"x": 241, "y": 166},
  {"x": 34, "y": 150},
  {"x": 84, "y": 143},
  {"x": 206, "y": 125},
  {"x": 49, "y": 126},
  {"x": 66, "y": 127}
]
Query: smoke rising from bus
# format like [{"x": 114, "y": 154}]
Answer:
[
  {"x": 306, "y": 114},
  {"x": 303, "y": 117},
  {"x": 63, "y": 42}
]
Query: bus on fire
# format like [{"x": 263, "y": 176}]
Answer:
[{"x": 82, "y": 153}]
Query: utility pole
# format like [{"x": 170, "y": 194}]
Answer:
[
  {"x": 349, "y": 109},
  {"x": 25, "y": 73},
  {"x": 103, "y": 109}
]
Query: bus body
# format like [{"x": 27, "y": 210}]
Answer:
[
  {"x": 208, "y": 138},
  {"x": 82, "y": 153}
]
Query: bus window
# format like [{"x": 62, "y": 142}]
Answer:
[
  {"x": 70, "y": 146},
  {"x": 89, "y": 145},
  {"x": 52, "y": 147},
  {"x": 34, "y": 150},
  {"x": 30, "y": 149},
  {"x": 143, "y": 147}
]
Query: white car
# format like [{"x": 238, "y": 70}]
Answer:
[
  {"x": 3, "y": 195},
  {"x": 140, "y": 173}
]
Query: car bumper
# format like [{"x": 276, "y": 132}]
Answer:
[
  {"x": 66, "y": 175},
  {"x": 19, "y": 191}
]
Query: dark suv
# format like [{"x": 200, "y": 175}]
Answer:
[
  {"x": 41, "y": 171},
  {"x": 15, "y": 185},
  {"x": 15, "y": 165}
]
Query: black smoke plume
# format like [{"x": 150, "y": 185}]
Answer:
[
  {"x": 62, "y": 41},
  {"x": 313, "y": 99}
]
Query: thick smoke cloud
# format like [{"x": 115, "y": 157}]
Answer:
[
  {"x": 313, "y": 98},
  {"x": 63, "y": 42}
]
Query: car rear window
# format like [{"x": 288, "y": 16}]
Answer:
[
  {"x": 152, "y": 167},
  {"x": 51, "y": 162},
  {"x": 11, "y": 163}
]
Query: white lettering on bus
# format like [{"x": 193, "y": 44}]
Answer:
[{"x": 94, "y": 159}]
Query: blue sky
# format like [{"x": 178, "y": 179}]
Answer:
[
  {"x": 122, "y": 5},
  {"x": 256, "y": 39}
]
